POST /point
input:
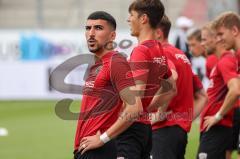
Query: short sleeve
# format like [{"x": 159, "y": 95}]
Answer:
[
  {"x": 139, "y": 64},
  {"x": 120, "y": 72},
  {"x": 171, "y": 65},
  {"x": 228, "y": 67}
]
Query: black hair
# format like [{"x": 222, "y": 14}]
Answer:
[
  {"x": 154, "y": 9},
  {"x": 165, "y": 26},
  {"x": 104, "y": 16}
]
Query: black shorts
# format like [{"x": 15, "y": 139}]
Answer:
[
  {"x": 235, "y": 140},
  {"x": 214, "y": 143},
  {"x": 107, "y": 151},
  {"x": 135, "y": 142},
  {"x": 169, "y": 143}
]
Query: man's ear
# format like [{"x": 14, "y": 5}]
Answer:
[
  {"x": 159, "y": 34},
  {"x": 144, "y": 19},
  {"x": 113, "y": 35},
  {"x": 235, "y": 30}
]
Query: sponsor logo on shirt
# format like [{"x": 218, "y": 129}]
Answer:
[
  {"x": 160, "y": 60},
  {"x": 183, "y": 57},
  {"x": 90, "y": 84}
]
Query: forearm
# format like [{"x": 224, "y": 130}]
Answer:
[
  {"x": 230, "y": 100},
  {"x": 200, "y": 101},
  {"x": 160, "y": 114},
  {"x": 125, "y": 120},
  {"x": 160, "y": 100},
  {"x": 163, "y": 96}
]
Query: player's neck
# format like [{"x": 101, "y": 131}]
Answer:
[
  {"x": 101, "y": 53},
  {"x": 220, "y": 50},
  {"x": 165, "y": 41},
  {"x": 146, "y": 34},
  {"x": 237, "y": 44}
]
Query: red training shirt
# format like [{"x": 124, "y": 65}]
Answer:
[
  {"x": 225, "y": 70},
  {"x": 149, "y": 64},
  {"x": 101, "y": 102}
]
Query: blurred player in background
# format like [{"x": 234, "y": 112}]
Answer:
[
  {"x": 198, "y": 60},
  {"x": 106, "y": 89},
  {"x": 183, "y": 24},
  {"x": 150, "y": 68},
  {"x": 174, "y": 121},
  {"x": 223, "y": 91},
  {"x": 228, "y": 30},
  {"x": 208, "y": 41},
  {"x": 194, "y": 42}
]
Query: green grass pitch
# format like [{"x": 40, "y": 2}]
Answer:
[{"x": 36, "y": 132}]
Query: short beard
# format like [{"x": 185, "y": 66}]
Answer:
[{"x": 94, "y": 50}]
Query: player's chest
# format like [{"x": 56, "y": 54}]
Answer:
[{"x": 98, "y": 77}]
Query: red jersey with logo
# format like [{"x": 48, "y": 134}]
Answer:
[
  {"x": 181, "y": 106},
  {"x": 211, "y": 61},
  {"x": 225, "y": 70},
  {"x": 149, "y": 64},
  {"x": 101, "y": 102}
]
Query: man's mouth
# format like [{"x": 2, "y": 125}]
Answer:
[{"x": 91, "y": 41}]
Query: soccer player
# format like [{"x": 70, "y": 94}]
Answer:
[
  {"x": 228, "y": 30},
  {"x": 198, "y": 60},
  {"x": 208, "y": 42},
  {"x": 216, "y": 118},
  {"x": 150, "y": 68},
  {"x": 170, "y": 134},
  {"x": 106, "y": 89},
  {"x": 194, "y": 42}
]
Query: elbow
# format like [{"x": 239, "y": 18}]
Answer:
[{"x": 236, "y": 93}]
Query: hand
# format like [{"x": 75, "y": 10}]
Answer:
[
  {"x": 209, "y": 121},
  {"x": 90, "y": 142},
  {"x": 159, "y": 116}
]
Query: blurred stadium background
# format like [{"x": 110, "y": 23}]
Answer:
[{"x": 38, "y": 35}]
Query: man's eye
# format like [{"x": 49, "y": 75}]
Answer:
[
  {"x": 99, "y": 27},
  {"x": 87, "y": 28}
]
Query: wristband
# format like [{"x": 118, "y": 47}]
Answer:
[
  {"x": 104, "y": 138},
  {"x": 218, "y": 116}
]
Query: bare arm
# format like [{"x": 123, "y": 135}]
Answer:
[
  {"x": 230, "y": 100},
  {"x": 231, "y": 97},
  {"x": 132, "y": 109},
  {"x": 164, "y": 95},
  {"x": 200, "y": 100}
]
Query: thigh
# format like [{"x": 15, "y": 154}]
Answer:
[
  {"x": 169, "y": 143},
  {"x": 134, "y": 142},
  {"x": 214, "y": 143},
  {"x": 148, "y": 144}
]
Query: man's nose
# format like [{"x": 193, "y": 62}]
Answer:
[{"x": 92, "y": 32}]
